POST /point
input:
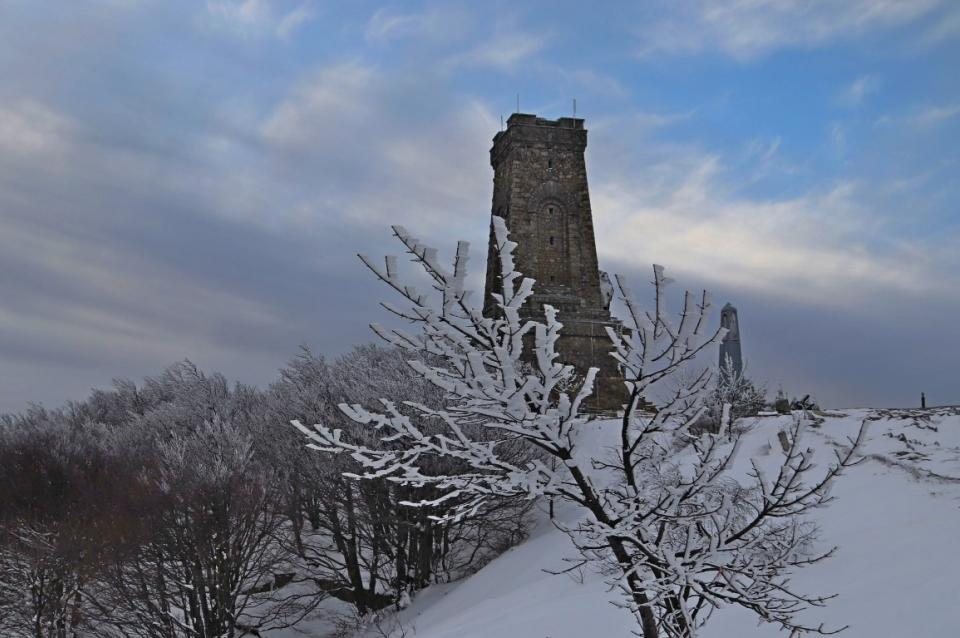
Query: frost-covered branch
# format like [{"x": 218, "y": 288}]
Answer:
[{"x": 664, "y": 517}]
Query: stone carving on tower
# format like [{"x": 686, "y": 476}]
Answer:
[{"x": 540, "y": 189}]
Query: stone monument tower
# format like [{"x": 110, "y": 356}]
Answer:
[
  {"x": 730, "y": 345},
  {"x": 540, "y": 189}
]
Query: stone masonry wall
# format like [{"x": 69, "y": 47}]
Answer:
[{"x": 540, "y": 188}]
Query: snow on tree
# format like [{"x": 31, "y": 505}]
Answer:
[
  {"x": 355, "y": 538},
  {"x": 145, "y": 512},
  {"x": 735, "y": 389},
  {"x": 211, "y": 564},
  {"x": 65, "y": 510},
  {"x": 664, "y": 516}
]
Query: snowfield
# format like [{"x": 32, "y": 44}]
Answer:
[{"x": 895, "y": 521}]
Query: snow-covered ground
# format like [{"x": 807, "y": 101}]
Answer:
[{"x": 895, "y": 519}]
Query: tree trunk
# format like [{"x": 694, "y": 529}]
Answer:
[{"x": 648, "y": 622}]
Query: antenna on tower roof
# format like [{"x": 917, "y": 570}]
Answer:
[
  {"x": 574, "y": 107},
  {"x": 518, "y": 102},
  {"x": 501, "y": 122}
]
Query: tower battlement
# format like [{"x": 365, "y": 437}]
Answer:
[{"x": 529, "y": 130}]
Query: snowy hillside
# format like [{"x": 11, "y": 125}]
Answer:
[{"x": 895, "y": 520}]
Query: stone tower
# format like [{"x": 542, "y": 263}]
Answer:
[
  {"x": 540, "y": 189},
  {"x": 730, "y": 345}
]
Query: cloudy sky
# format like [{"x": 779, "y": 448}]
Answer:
[{"x": 193, "y": 179}]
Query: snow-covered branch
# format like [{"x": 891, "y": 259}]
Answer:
[{"x": 666, "y": 519}]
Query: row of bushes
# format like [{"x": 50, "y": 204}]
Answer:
[{"x": 189, "y": 507}]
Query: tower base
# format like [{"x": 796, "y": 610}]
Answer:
[{"x": 584, "y": 343}]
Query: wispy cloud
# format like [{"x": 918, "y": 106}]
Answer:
[
  {"x": 945, "y": 27},
  {"x": 293, "y": 20},
  {"x": 503, "y": 51},
  {"x": 595, "y": 83},
  {"x": 31, "y": 130},
  {"x": 838, "y": 137},
  {"x": 336, "y": 99},
  {"x": 386, "y": 25},
  {"x": 925, "y": 117},
  {"x": 764, "y": 150},
  {"x": 437, "y": 24},
  {"x": 854, "y": 94},
  {"x": 746, "y": 29},
  {"x": 353, "y": 124},
  {"x": 649, "y": 120},
  {"x": 821, "y": 248},
  {"x": 257, "y": 17},
  {"x": 934, "y": 115}
]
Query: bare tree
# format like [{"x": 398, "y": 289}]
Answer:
[
  {"x": 66, "y": 502},
  {"x": 211, "y": 566},
  {"x": 337, "y": 528},
  {"x": 664, "y": 516},
  {"x": 355, "y": 538},
  {"x": 735, "y": 389},
  {"x": 145, "y": 511}
]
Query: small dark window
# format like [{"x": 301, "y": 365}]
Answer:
[
  {"x": 552, "y": 278},
  {"x": 550, "y": 210},
  {"x": 549, "y": 163},
  {"x": 551, "y": 240}
]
